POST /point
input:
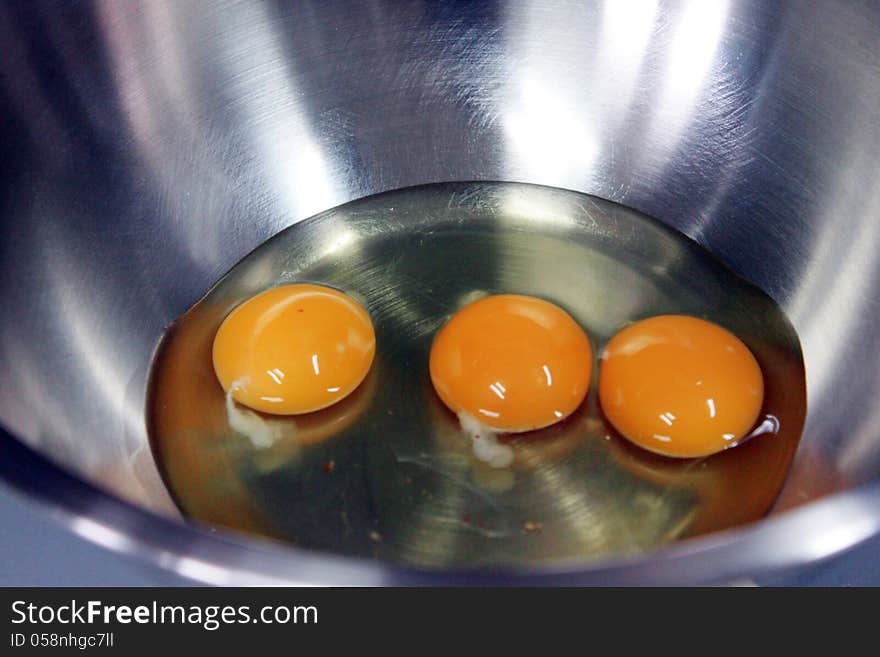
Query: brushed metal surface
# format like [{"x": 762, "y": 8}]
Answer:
[{"x": 146, "y": 148}]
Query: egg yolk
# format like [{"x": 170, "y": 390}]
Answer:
[
  {"x": 680, "y": 386},
  {"x": 514, "y": 363},
  {"x": 294, "y": 349}
]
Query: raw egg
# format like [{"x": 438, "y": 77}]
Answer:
[
  {"x": 680, "y": 386},
  {"x": 294, "y": 349},
  {"x": 511, "y": 363}
]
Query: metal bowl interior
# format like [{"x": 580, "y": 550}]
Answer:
[{"x": 148, "y": 148}]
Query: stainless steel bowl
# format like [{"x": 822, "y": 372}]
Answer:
[{"x": 147, "y": 147}]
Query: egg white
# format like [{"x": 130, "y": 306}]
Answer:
[{"x": 485, "y": 442}]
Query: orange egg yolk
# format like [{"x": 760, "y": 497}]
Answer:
[
  {"x": 680, "y": 386},
  {"x": 294, "y": 349},
  {"x": 512, "y": 362}
]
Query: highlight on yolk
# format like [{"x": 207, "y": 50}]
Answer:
[
  {"x": 294, "y": 349},
  {"x": 511, "y": 362},
  {"x": 680, "y": 386}
]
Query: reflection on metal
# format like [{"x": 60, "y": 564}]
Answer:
[{"x": 153, "y": 146}]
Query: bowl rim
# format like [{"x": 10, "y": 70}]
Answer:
[{"x": 794, "y": 538}]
